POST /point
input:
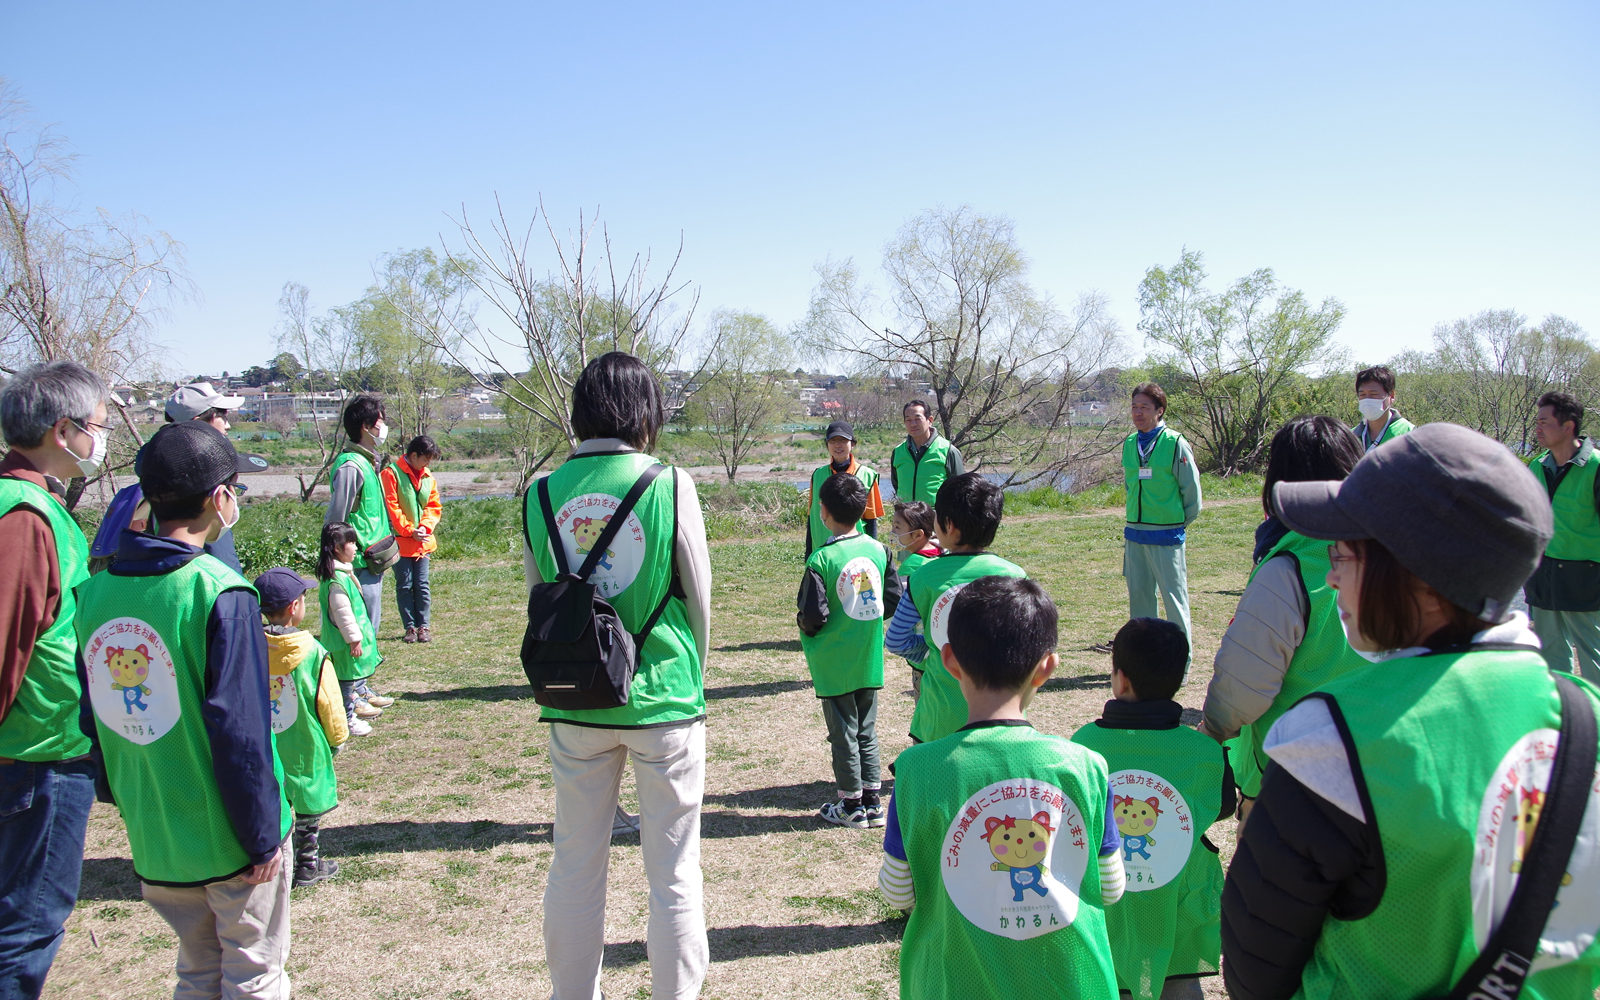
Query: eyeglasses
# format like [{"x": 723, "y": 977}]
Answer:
[
  {"x": 89, "y": 426},
  {"x": 1335, "y": 558},
  {"x": 239, "y": 489}
]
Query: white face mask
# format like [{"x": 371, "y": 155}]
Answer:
[
  {"x": 227, "y": 525},
  {"x": 381, "y": 432},
  {"x": 1372, "y": 409},
  {"x": 90, "y": 467}
]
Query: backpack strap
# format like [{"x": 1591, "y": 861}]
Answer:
[
  {"x": 1503, "y": 966},
  {"x": 674, "y": 586},
  {"x": 614, "y": 525},
  {"x": 554, "y": 534}
]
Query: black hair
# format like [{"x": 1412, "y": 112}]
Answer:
[
  {"x": 917, "y": 515},
  {"x": 1307, "y": 450},
  {"x": 185, "y": 508},
  {"x": 335, "y": 536},
  {"x": 1151, "y": 391},
  {"x": 1000, "y": 628},
  {"x": 1379, "y": 374},
  {"x": 423, "y": 445},
  {"x": 1566, "y": 408},
  {"x": 926, "y": 410},
  {"x": 844, "y": 497},
  {"x": 618, "y": 397},
  {"x": 972, "y": 505},
  {"x": 360, "y": 413},
  {"x": 1152, "y": 653}
]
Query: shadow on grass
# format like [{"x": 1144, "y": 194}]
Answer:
[
  {"x": 1083, "y": 682},
  {"x": 408, "y": 835},
  {"x": 108, "y": 878},
  {"x": 759, "y": 689},
  {"x": 805, "y": 794},
  {"x": 729, "y": 944},
  {"x": 496, "y": 692},
  {"x": 777, "y": 645}
]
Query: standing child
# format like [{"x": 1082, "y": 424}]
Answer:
[
  {"x": 1002, "y": 838},
  {"x": 847, "y": 585},
  {"x": 307, "y": 716},
  {"x": 351, "y": 643},
  {"x": 913, "y": 537},
  {"x": 1168, "y": 783},
  {"x": 414, "y": 511},
  {"x": 968, "y": 512}
]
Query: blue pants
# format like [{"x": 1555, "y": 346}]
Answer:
[
  {"x": 411, "y": 591},
  {"x": 44, "y": 811},
  {"x": 371, "y": 585}
]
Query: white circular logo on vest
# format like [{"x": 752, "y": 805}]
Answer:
[
  {"x": 1156, "y": 825},
  {"x": 1013, "y": 858},
  {"x": 284, "y": 699},
  {"x": 860, "y": 589},
  {"x": 580, "y": 522},
  {"x": 1510, "y": 813},
  {"x": 939, "y": 618},
  {"x": 133, "y": 685}
]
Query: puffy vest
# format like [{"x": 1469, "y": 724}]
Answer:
[
  {"x": 42, "y": 724},
  {"x": 819, "y": 531},
  {"x": 847, "y": 655},
  {"x": 1577, "y": 534},
  {"x": 942, "y": 708},
  {"x": 143, "y": 640},
  {"x": 295, "y": 662},
  {"x": 368, "y": 516},
  {"x": 632, "y": 575},
  {"x": 1453, "y": 750},
  {"x": 1154, "y": 502},
  {"x": 1167, "y": 785},
  {"x": 1002, "y": 828},
  {"x": 920, "y": 479},
  {"x": 345, "y": 666}
]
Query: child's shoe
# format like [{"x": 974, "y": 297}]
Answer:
[
  {"x": 424, "y": 634},
  {"x": 876, "y": 815},
  {"x": 319, "y": 871},
  {"x": 365, "y": 710},
  {"x": 377, "y": 700},
  {"x": 841, "y": 813},
  {"x": 358, "y": 727},
  {"x": 410, "y": 636}
]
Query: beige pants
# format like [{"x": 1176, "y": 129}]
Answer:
[{"x": 233, "y": 937}]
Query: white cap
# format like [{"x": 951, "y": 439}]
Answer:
[{"x": 189, "y": 401}]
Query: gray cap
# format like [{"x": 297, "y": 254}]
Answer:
[
  {"x": 189, "y": 401},
  {"x": 1454, "y": 507}
]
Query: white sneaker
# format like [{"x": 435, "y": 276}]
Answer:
[{"x": 359, "y": 727}]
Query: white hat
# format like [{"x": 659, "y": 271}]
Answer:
[{"x": 189, "y": 401}]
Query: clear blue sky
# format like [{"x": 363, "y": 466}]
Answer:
[{"x": 1418, "y": 161}]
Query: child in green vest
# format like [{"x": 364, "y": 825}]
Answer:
[
  {"x": 307, "y": 716},
  {"x": 412, "y": 498},
  {"x": 1001, "y": 840},
  {"x": 351, "y": 642},
  {"x": 1169, "y": 783},
  {"x": 847, "y": 585},
  {"x": 913, "y": 537}
]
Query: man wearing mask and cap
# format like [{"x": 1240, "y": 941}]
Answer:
[
  {"x": 1380, "y": 421},
  {"x": 841, "y": 439},
  {"x": 54, "y": 418}
]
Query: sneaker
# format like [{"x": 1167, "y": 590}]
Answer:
[
  {"x": 424, "y": 634},
  {"x": 410, "y": 636},
  {"x": 834, "y": 812},
  {"x": 311, "y": 874},
  {"x": 876, "y": 815},
  {"x": 1101, "y": 647},
  {"x": 358, "y": 727},
  {"x": 377, "y": 700},
  {"x": 365, "y": 710}
]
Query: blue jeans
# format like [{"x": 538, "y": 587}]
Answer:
[
  {"x": 371, "y": 585},
  {"x": 411, "y": 590},
  {"x": 44, "y": 811}
]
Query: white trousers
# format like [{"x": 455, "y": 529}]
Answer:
[
  {"x": 669, "y": 768},
  {"x": 233, "y": 937}
]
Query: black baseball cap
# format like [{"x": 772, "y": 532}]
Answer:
[
  {"x": 840, "y": 429},
  {"x": 186, "y": 460},
  {"x": 279, "y": 587}
]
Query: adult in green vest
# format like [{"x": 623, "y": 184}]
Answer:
[
  {"x": 1284, "y": 640},
  {"x": 176, "y": 677},
  {"x": 54, "y": 419},
  {"x": 1564, "y": 592},
  {"x": 841, "y": 440},
  {"x": 1163, "y": 486},
  {"x": 355, "y": 495},
  {"x": 922, "y": 462},
  {"x": 1380, "y": 421},
  {"x": 1398, "y": 800},
  {"x": 617, "y": 411}
]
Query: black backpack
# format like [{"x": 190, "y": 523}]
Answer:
[{"x": 576, "y": 652}]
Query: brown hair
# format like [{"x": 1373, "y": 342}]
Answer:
[
  {"x": 1156, "y": 394},
  {"x": 1391, "y": 607},
  {"x": 917, "y": 515}
]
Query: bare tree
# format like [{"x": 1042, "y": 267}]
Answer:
[
  {"x": 749, "y": 356},
  {"x": 329, "y": 347}
]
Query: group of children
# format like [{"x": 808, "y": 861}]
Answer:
[{"x": 1028, "y": 861}]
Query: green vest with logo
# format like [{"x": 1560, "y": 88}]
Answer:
[
  {"x": 1002, "y": 828},
  {"x": 913, "y": 562},
  {"x": 413, "y": 497},
  {"x": 847, "y": 655},
  {"x": 369, "y": 517},
  {"x": 345, "y": 666},
  {"x": 308, "y": 779},
  {"x": 1448, "y": 748},
  {"x": 42, "y": 724},
  {"x": 633, "y": 574},
  {"x": 1324, "y": 654},
  {"x": 144, "y": 647},
  {"x": 1154, "y": 501},
  {"x": 920, "y": 478},
  {"x": 1577, "y": 534},
  {"x": 819, "y": 531},
  {"x": 942, "y": 708},
  {"x": 1167, "y": 785}
]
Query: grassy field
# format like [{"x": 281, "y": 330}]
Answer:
[{"x": 443, "y": 832}]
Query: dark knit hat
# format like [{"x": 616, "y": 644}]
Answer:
[{"x": 186, "y": 460}]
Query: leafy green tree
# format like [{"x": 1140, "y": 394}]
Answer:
[{"x": 744, "y": 393}]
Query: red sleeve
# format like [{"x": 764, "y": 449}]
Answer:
[{"x": 30, "y": 596}]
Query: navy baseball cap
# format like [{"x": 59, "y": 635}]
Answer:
[
  {"x": 840, "y": 429},
  {"x": 279, "y": 587}
]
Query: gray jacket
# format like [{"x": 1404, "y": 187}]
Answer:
[{"x": 1254, "y": 656}]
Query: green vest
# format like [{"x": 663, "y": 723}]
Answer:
[
  {"x": 413, "y": 498},
  {"x": 920, "y": 479},
  {"x": 1396, "y": 427},
  {"x": 1155, "y": 501},
  {"x": 1577, "y": 534},
  {"x": 42, "y": 724},
  {"x": 847, "y": 655},
  {"x": 1447, "y": 747},
  {"x": 295, "y": 662},
  {"x": 144, "y": 645},
  {"x": 913, "y": 562},
  {"x": 819, "y": 531},
  {"x": 345, "y": 666},
  {"x": 369, "y": 516},
  {"x": 1324, "y": 654},
  {"x": 633, "y": 574},
  {"x": 1170, "y": 921},
  {"x": 1002, "y": 828},
  {"x": 942, "y": 708}
]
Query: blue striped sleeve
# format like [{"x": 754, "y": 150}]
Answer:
[{"x": 901, "y": 636}]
